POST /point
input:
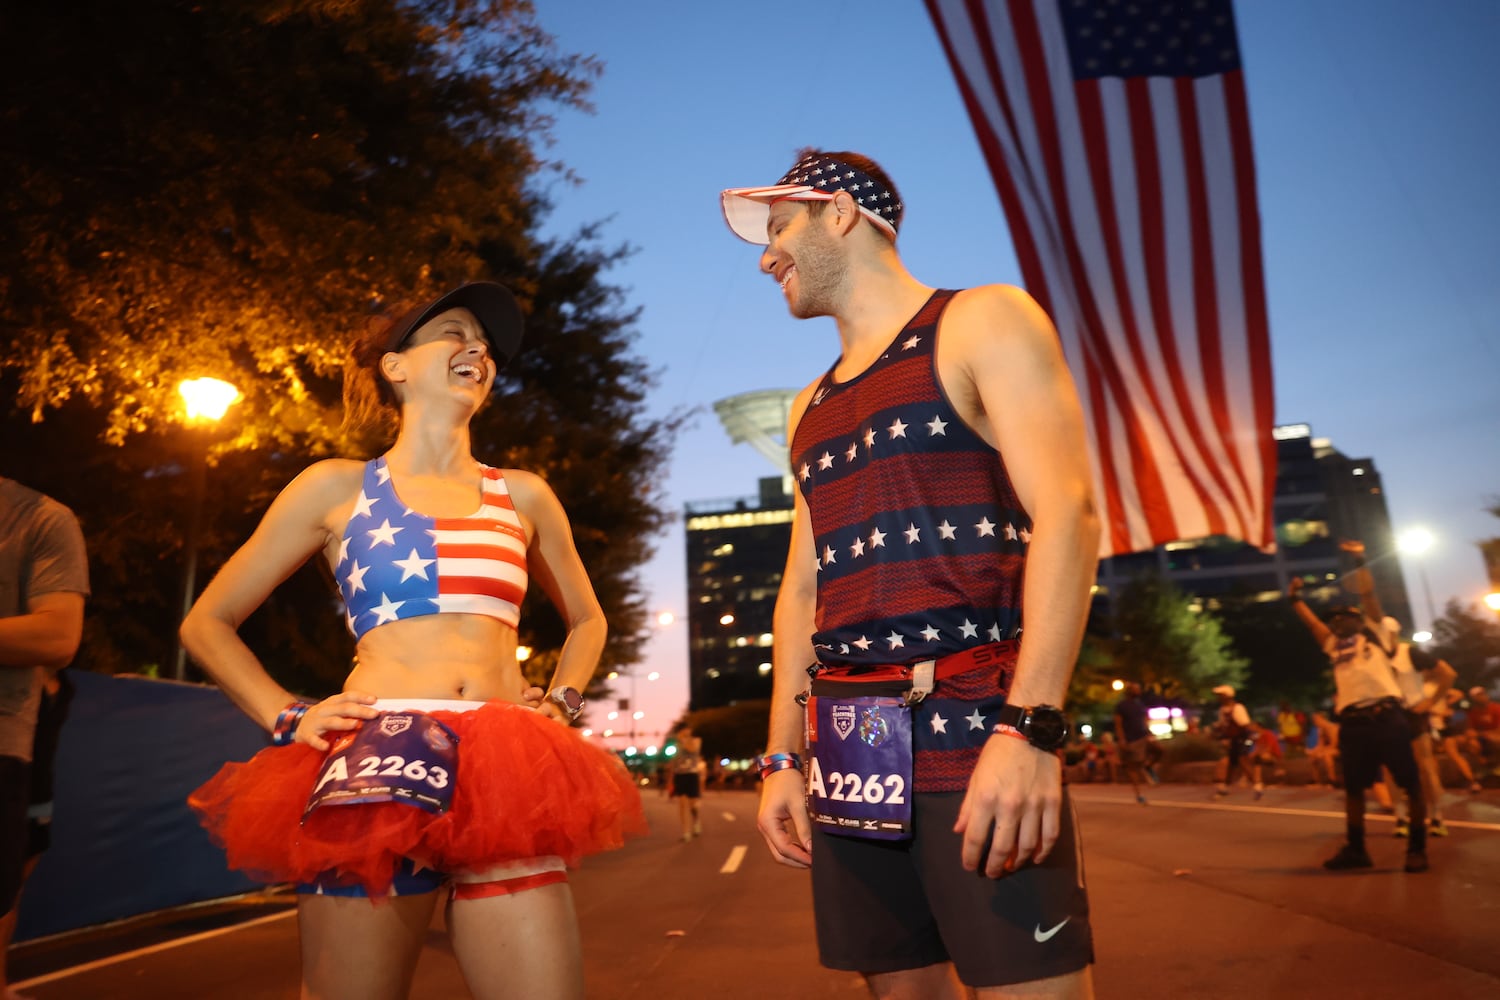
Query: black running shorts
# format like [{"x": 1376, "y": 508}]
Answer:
[
  {"x": 1368, "y": 741},
  {"x": 887, "y": 906}
]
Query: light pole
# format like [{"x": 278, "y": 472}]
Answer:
[
  {"x": 629, "y": 704},
  {"x": 1416, "y": 542},
  {"x": 206, "y": 399}
]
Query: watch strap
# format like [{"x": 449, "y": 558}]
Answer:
[{"x": 1012, "y": 716}]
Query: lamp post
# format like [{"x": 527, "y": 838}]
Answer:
[
  {"x": 206, "y": 400},
  {"x": 1417, "y": 542},
  {"x": 629, "y": 704}
]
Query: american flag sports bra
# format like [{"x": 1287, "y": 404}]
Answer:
[{"x": 395, "y": 562}]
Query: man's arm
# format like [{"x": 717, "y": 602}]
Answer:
[
  {"x": 48, "y": 632},
  {"x": 1314, "y": 625},
  {"x": 1001, "y": 361},
  {"x": 1437, "y": 670},
  {"x": 783, "y": 819},
  {"x": 47, "y": 635},
  {"x": 1363, "y": 583}
]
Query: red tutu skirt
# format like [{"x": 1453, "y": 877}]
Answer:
[{"x": 526, "y": 788}]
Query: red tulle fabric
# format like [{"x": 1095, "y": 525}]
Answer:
[{"x": 527, "y": 787}]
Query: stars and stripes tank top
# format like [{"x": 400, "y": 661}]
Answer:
[
  {"x": 921, "y": 541},
  {"x": 397, "y": 563}
]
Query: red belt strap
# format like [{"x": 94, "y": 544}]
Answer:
[{"x": 976, "y": 658}]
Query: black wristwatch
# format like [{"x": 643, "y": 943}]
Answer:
[
  {"x": 1044, "y": 726},
  {"x": 569, "y": 699}
]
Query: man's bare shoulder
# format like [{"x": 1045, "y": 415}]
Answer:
[
  {"x": 805, "y": 395},
  {"x": 996, "y": 310},
  {"x": 800, "y": 403}
]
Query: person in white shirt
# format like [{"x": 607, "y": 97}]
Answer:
[
  {"x": 1424, "y": 680},
  {"x": 1373, "y": 727},
  {"x": 1233, "y": 726}
]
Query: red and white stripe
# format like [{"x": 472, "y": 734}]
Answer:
[
  {"x": 482, "y": 558},
  {"x": 1133, "y": 210}
]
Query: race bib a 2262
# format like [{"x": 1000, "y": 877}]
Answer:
[{"x": 859, "y": 782}]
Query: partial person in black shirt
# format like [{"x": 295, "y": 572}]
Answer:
[{"x": 1138, "y": 749}]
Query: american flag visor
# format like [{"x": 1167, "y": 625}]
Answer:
[{"x": 816, "y": 177}]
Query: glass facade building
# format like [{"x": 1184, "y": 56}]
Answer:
[{"x": 736, "y": 550}]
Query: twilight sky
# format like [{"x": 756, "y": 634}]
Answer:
[{"x": 1375, "y": 125}]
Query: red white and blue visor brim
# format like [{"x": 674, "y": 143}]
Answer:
[{"x": 747, "y": 210}]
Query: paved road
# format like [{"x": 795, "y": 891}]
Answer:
[{"x": 1190, "y": 897}]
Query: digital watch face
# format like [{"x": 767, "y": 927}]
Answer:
[
  {"x": 568, "y": 698},
  {"x": 1048, "y": 728}
]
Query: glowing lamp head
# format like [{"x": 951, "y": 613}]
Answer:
[
  {"x": 1415, "y": 541},
  {"x": 207, "y": 398}
]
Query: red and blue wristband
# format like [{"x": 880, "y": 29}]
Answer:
[
  {"x": 770, "y": 763},
  {"x": 285, "y": 729}
]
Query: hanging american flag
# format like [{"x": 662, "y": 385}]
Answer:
[{"x": 1119, "y": 138}]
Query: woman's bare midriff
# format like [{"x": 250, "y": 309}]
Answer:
[{"x": 456, "y": 657}]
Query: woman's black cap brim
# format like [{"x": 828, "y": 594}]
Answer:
[{"x": 493, "y": 305}]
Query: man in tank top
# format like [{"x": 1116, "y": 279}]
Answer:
[{"x": 943, "y": 486}]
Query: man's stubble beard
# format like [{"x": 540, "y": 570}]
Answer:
[{"x": 822, "y": 277}]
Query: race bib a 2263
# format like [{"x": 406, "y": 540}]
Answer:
[{"x": 398, "y": 757}]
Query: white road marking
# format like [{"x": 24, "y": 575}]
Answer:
[
  {"x": 732, "y": 865},
  {"x": 152, "y": 949},
  {"x": 1465, "y": 824}
]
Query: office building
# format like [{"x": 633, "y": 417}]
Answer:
[{"x": 736, "y": 550}]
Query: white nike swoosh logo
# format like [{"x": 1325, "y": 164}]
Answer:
[{"x": 1043, "y": 936}]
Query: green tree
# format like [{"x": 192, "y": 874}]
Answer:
[
  {"x": 1469, "y": 639},
  {"x": 231, "y": 189},
  {"x": 1091, "y": 695},
  {"x": 1282, "y": 659},
  {"x": 1162, "y": 641},
  {"x": 735, "y": 731}
]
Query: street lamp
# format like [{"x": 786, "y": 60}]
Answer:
[
  {"x": 664, "y": 619},
  {"x": 207, "y": 400},
  {"x": 1416, "y": 542}
]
